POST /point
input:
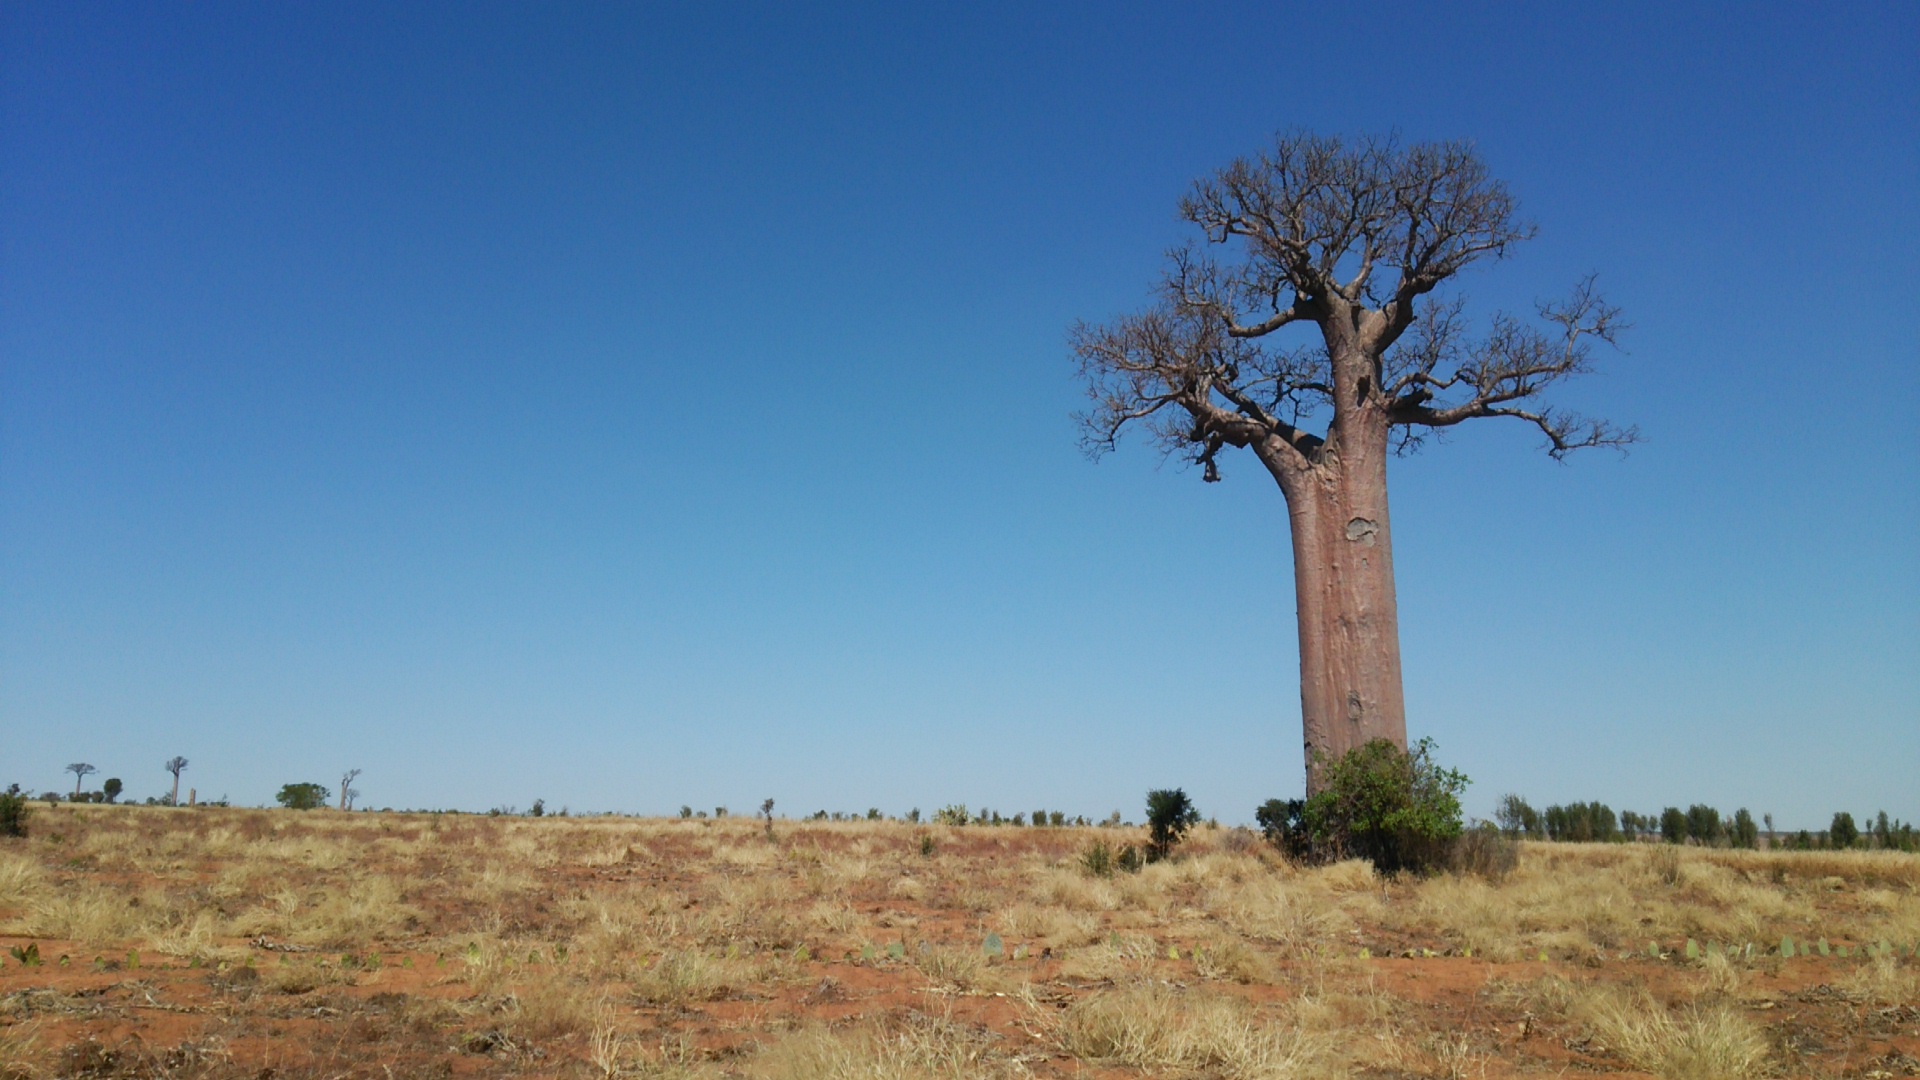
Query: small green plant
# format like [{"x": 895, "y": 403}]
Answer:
[
  {"x": 29, "y": 956},
  {"x": 13, "y": 812},
  {"x": 1097, "y": 859},
  {"x": 302, "y": 796},
  {"x": 926, "y": 845},
  {"x": 1393, "y": 807},
  {"x": 956, "y": 814},
  {"x": 766, "y": 811},
  {"x": 1170, "y": 813}
]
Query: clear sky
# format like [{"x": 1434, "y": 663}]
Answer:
[{"x": 643, "y": 405}]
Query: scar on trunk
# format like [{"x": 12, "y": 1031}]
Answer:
[
  {"x": 1362, "y": 531},
  {"x": 1355, "y": 710}
]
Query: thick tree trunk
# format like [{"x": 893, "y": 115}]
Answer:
[{"x": 1350, "y": 690}]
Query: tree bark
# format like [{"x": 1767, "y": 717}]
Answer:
[{"x": 1350, "y": 692}]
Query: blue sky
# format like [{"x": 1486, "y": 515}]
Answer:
[{"x": 630, "y": 407}]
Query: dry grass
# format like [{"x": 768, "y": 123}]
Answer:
[
  {"x": 919, "y": 1047},
  {"x": 1697, "y": 1042},
  {"x": 950, "y": 968},
  {"x": 702, "y": 949},
  {"x": 1884, "y": 981},
  {"x": 1150, "y": 1025}
]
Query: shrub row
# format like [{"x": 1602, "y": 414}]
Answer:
[{"x": 1698, "y": 824}]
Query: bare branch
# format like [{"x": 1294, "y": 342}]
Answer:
[
  {"x": 1193, "y": 385},
  {"x": 1315, "y": 224},
  {"x": 1514, "y": 363},
  {"x": 1193, "y": 281},
  {"x": 1314, "y": 208}
]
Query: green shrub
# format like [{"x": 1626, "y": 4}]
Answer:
[
  {"x": 1745, "y": 832},
  {"x": 1276, "y": 818},
  {"x": 1673, "y": 825},
  {"x": 302, "y": 796},
  {"x": 1169, "y": 815},
  {"x": 1393, "y": 807},
  {"x": 1704, "y": 826},
  {"x": 13, "y": 812},
  {"x": 112, "y": 788},
  {"x": 1843, "y": 832},
  {"x": 1097, "y": 859},
  {"x": 1633, "y": 826}
]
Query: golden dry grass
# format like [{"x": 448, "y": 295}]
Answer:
[
  {"x": 618, "y": 947},
  {"x": 1154, "y": 1026}
]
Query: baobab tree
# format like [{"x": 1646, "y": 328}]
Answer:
[
  {"x": 1340, "y": 245},
  {"x": 175, "y": 766},
  {"x": 80, "y": 771},
  {"x": 347, "y": 794}
]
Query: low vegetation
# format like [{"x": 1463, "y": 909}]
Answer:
[
  {"x": 1397, "y": 809},
  {"x": 139, "y": 941}
]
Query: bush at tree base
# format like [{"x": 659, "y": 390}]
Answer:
[{"x": 1395, "y": 808}]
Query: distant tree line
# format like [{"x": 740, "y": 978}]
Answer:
[{"x": 1701, "y": 825}]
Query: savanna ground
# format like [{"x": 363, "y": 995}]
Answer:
[{"x": 252, "y": 943}]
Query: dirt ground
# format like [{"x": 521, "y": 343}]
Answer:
[{"x": 157, "y": 942}]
